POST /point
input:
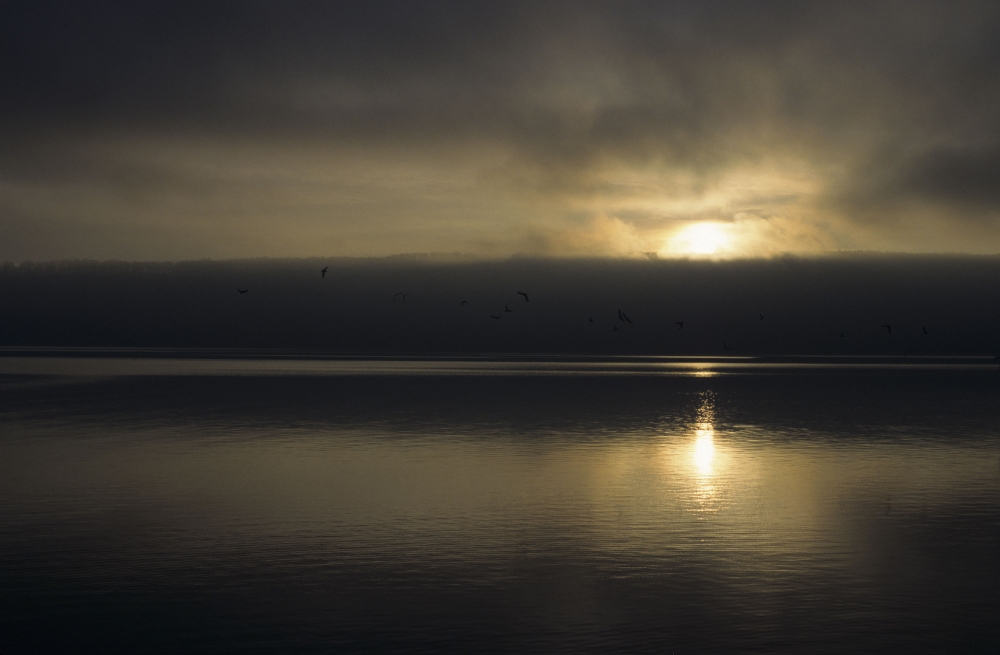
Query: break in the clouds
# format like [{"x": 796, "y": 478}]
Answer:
[{"x": 229, "y": 129}]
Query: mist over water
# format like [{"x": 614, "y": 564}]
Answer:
[
  {"x": 836, "y": 305},
  {"x": 458, "y": 505}
]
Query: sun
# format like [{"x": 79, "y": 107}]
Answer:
[{"x": 705, "y": 238}]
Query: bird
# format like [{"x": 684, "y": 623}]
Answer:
[
  {"x": 506, "y": 308},
  {"x": 496, "y": 317},
  {"x": 322, "y": 271},
  {"x": 680, "y": 325},
  {"x": 242, "y": 291},
  {"x": 614, "y": 328},
  {"x": 400, "y": 293},
  {"x": 762, "y": 317},
  {"x": 887, "y": 327},
  {"x": 924, "y": 328},
  {"x": 590, "y": 319},
  {"x": 622, "y": 316},
  {"x": 463, "y": 303},
  {"x": 725, "y": 346},
  {"x": 521, "y": 293},
  {"x": 841, "y": 334}
]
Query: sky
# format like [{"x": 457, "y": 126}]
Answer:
[{"x": 172, "y": 131}]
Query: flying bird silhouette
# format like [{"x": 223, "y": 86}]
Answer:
[
  {"x": 762, "y": 317},
  {"x": 841, "y": 334},
  {"x": 242, "y": 291},
  {"x": 679, "y": 324},
  {"x": 614, "y": 328},
  {"x": 506, "y": 308},
  {"x": 521, "y": 293},
  {"x": 725, "y": 346},
  {"x": 322, "y": 271},
  {"x": 496, "y": 317},
  {"x": 590, "y": 319},
  {"x": 887, "y": 327},
  {"x": 400, "y": 293},
  {"x": 924, "y": 328},
  {"x": 622, "y": 316},
  {"x": 464, "y": 303}
]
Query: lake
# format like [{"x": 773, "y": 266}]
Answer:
[{"x": 274, "y": 502}]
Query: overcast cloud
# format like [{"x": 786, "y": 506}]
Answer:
[{"x": 215, "y": 129}]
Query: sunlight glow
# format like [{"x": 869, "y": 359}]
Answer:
[
  {"x": 705, "y": 238},
  {"x": 704, "y": 442},
  {"x": 704, "y": 449}
]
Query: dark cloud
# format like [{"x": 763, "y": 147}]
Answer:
[
  {"x": 960, "y": 183},
  {"x": 636, "y": 67},
  {"x": 951, "y": 175}
]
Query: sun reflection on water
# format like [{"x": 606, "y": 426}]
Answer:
[
  {"x": 704, "y": 449},
  {"x": 704, "y": 457}
]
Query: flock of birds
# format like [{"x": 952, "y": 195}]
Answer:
[{"x": 622, "y": 316}]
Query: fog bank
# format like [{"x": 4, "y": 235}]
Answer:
[{"x": 786, "y": 306}]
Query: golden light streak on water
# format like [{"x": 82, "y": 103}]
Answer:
[{"x": 704, "y": 449}]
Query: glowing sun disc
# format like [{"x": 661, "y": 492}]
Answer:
[{"x": 700, "y": 239}]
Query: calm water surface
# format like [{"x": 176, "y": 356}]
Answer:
[{"x": 163, "y": 504}]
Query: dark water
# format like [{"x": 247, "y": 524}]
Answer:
[{"x": 191, "y": 505}]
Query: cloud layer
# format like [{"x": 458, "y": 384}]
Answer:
[{"x": 150, "y": 131}]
